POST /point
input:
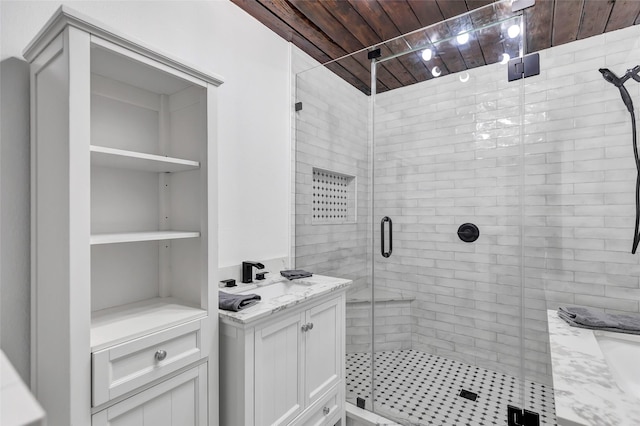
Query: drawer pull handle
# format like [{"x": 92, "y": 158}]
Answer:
[
  {"x": 160, "y": 355},
  {"x": 326, "y": 410}
]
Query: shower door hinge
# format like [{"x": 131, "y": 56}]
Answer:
[
  {"x": 519, "y": 417},
  {"x": 524, "y": 67}
]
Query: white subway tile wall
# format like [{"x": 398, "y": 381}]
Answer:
[
  {"x": 448, "y": 153},
  {"x": 393, "y": 326},
  {"x": 580, "y": 186}
]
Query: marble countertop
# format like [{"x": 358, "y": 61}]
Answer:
[
  {"x": 586, "y": 393},
  {"x": 318, "y": 285}
]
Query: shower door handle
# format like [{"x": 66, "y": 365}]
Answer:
[{"x": 382, "y": 222}]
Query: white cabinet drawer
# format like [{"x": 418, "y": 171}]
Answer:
[
  {"x": 327, "y": 411},
  {"x": 127, "y": 366},
  {"x": 179, "y": 401}
]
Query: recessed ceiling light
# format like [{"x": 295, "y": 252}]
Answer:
[
  {"x": 427, "y": 54},
  {"x": 513, "y": 31},
  {"x": 463, "y": 38},
  {"x": 464, "y": 77},
  {"x": 435, "y": 71},
  {"x": 505, "y": 58}
]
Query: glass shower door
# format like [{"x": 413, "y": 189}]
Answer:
[{"x": 446, "y": 231}]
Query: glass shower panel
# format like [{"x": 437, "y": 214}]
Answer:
[
  {"x": 332, "y": 185},
  {"x": 447, "y": 215}
]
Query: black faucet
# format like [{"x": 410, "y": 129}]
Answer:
[{"x": 247, "y": 270}]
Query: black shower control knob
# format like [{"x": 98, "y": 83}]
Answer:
[{"x": 468, "y": 232}]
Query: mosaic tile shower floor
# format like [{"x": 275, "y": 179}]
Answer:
[{"x": 416, "y": 388}]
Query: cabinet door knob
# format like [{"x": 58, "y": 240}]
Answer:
[
  {"x": 310, "y": 325},
  {"x": 305, "y": 327},
  {"x": 325, "y": 410},
  {"x": 160, "y": 355}
]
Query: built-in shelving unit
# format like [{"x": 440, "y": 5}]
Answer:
[
  {"x": 148, "y": 186},
  {"x": 124, "y": 239}
]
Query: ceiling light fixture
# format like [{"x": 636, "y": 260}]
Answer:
[
  {"x": 464, "y": 77},
  {"x": 513, "y": 31},
  {"x": 505, "y": 58},
  {"x": 435, "y": 71},
  {"x": 427, "y": 54},
  {"x": 463, "y": 38}
]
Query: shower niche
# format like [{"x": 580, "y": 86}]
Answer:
[{"x": 334, "y": 197}]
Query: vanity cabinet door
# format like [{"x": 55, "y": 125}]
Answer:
[
  {"x": 179, "y": 401},
  {"x": 323, "y": 349},
  {"x": 279, "y": 396}
]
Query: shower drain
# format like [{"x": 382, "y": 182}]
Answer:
[{"x": 471, "y": 396}]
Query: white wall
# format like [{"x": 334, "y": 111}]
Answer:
[{"x": 254, "y": 133}]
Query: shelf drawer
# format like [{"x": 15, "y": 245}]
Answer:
[
  {"x": 327, "y": 411},
  {"x": 178, "y": 401},
  {"x": 123, "y": 368}
]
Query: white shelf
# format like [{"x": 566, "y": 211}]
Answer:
[
  {"x": 131, "y": 237},
  {"x": 116, "y": 325},
  {"x": 123, "y": 159}
]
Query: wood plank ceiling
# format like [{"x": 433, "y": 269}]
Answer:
[{"x": 332, "y": 29}]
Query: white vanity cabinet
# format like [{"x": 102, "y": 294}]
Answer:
[
  {"x": 286, "y": 369},
  {"x": 124, "y": 238}
]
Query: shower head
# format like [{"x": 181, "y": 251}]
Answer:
[
  {"x": 611, "y": 77},
  {"x": 619, "y": 83}
]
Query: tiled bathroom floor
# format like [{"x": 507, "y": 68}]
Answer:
[{"x": 416, "y": 388}]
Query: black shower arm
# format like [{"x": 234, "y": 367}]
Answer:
[
  {"x": 632, "y": 73},
  {"x": 612, "y": 78}
]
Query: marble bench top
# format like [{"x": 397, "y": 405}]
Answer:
[
  {"x": 381, "y": 295},
  {"x": 586, "y": 393}
]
